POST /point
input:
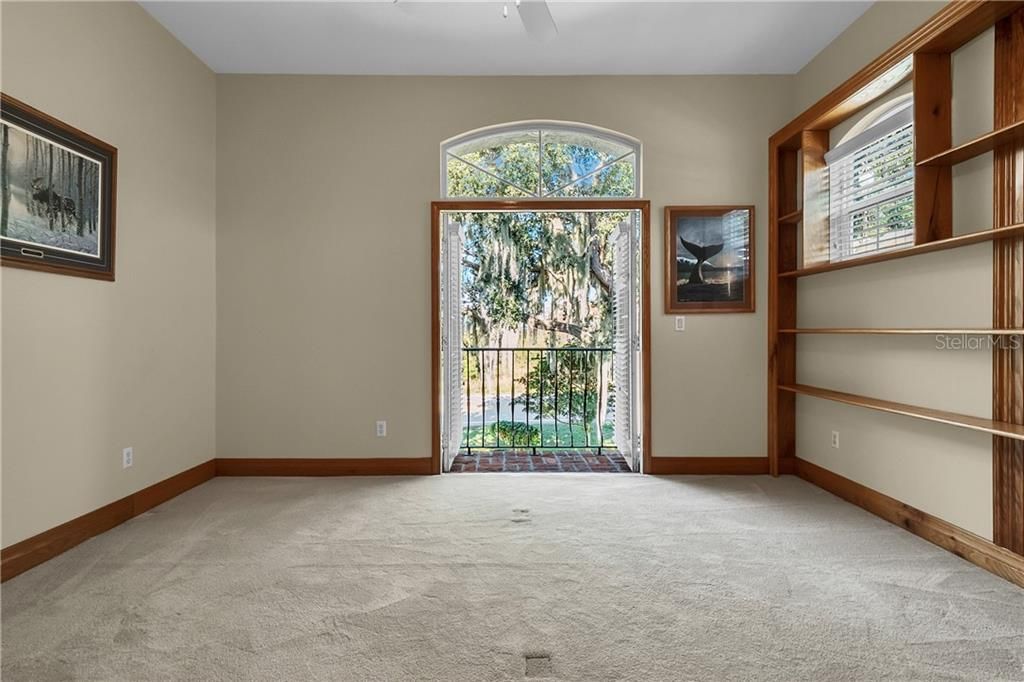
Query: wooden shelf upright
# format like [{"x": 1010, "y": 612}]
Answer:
[{"x": 798, "y": 237}]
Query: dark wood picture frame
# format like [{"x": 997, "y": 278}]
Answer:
[
  {"x": 675, "y": 307},
  {"x": 30, "y": 255}
]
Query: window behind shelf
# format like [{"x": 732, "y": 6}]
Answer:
[{"x": 871, "y": 184}]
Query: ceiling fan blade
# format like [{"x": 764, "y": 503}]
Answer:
[
  {"x": 413, "y": 9},
  {"x": 537, "y": 20}
]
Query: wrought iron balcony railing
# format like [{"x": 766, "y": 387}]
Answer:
[{"x": 537, "y": 398}]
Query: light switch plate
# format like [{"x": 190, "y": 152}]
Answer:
[{"x": 680, "y": 323}]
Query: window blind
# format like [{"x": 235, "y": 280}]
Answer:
[
  {"x": 735, "y": 231},
  {"x": 871, "y": 189}
]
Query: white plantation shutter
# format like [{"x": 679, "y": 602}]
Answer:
[
  {"x": 624, "y": 314},
  {"x": 871, "y": 188},
  {"x": 451, "y": 344}
]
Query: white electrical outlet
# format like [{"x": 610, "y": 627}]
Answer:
[
  {"x": 382, "y": 429},
  {"x": 835, "y": 439},
  {"x": 680, "y": 323},
  {"x": 127, "y": 457}
]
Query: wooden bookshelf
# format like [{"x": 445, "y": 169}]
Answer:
[
  {"x": 927, "y": 247},
  {"x": 964, "y": 421},
  {"x": 933, "y": 133},
  {"x": 976, "y": 147},
  {"x": 798, "y": 235}
]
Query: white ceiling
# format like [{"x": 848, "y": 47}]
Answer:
[{"x": 411, "y": 37}]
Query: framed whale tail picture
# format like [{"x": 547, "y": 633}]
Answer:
[
  {"x": 709, "y": 259},
  {"x": 57, "y": 195}
]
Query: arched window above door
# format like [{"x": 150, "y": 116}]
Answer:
[{"x": 540, "y": 159}]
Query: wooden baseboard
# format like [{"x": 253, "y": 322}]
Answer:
[
  {"x": 963, "y": 543},
  {"x": 405, "y": 466},
  {"x": 33, "y": 551},
  {"x": 742, "y": 466},
  {"x": 787, "y": 465},
  {"x": 169, "y": 488}
]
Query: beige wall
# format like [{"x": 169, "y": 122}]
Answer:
[
  {"x": 879, "y": 28},
  {"x": 323, "y": 271},
  {"x": 90, "y": 367},
  {"x": 942, "y": 470},
  {"x": 314, "y": 291}
]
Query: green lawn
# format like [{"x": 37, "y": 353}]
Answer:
[{"x": 576, "y": 438}]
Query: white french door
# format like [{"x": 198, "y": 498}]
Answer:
[
  {"x": 451, "y": 342},
  {"x": 624, "y": 385},
  {"x": 626, "y": 340}
]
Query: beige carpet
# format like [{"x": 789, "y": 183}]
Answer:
[{"x": 506, "y": 577}]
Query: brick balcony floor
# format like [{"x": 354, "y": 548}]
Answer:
[{"x": 609, "y": 461}]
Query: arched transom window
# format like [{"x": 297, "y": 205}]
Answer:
[{"x": 541, "y": 160}]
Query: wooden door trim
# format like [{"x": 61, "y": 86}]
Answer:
[{"x": 439, "y": 207}]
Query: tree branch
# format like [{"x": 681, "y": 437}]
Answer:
[
  {"x": 597, "y": 269},
  {"x": 573, "y": 330}
]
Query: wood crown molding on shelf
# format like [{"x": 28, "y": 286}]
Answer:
[
  {"x": 964, "y": 421},
  {"x": 928, "y": 247}
]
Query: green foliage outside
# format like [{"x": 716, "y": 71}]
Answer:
[
  {"x": 537, "y": 436},
  {"x": 875, "y": 223},
  {"x": 564, "y": 385},
  {"x": 540, "y": 280}
]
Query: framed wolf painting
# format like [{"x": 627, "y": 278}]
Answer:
[
  {"x": 709, "y": 259},
  {"x": 58, "y": 199}
]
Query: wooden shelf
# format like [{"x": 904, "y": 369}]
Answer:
[
  {"x": 975, "y": 331},
  {"x": 976, "y": 147},
  {"x": 1014, "y": 431},
  {"x": 791, "y": 218},
  {"x": 928, "y": 247},
  {"x": 799, "y": 245}
]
